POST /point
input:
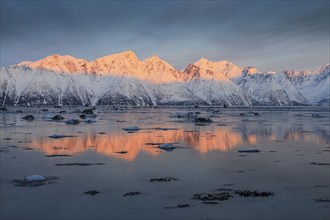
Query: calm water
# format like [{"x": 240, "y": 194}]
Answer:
[{"x": 206, "y": 158}]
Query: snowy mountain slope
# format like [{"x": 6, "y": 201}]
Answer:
[
  {"x": 64, "y": 89},
  {"x": 214, "y": 88},
  {"x": 280, "y": 93},
  {"x": 159, "y": 71},
  {"x": 269, "y": 87},
  {"x": 125, "y": 63},
  {"x": 314, "y": 87},
  {"x": 44, "y": 87},
  {"x": 124, "y": 79},
  {"x": 121, "y": 64},
  {"x": 226, "y": 68},
  {"x": 264, "y": 88},
  {"x": 60, "y": 64},
  {"x": 293, "y": 94}
]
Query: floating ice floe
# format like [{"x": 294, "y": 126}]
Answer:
[
  {"x": 72, "y": 122},
  {"x": 166, "y": 147},
  {"x": 56, "y": 136},
  {"x": 48, "y": 116},
  {"x": 89, "y": 121},
  {"x": 34, "y": 178},
  {"x": 91, "y": 116},
  {"x": 131, "y": 129}
]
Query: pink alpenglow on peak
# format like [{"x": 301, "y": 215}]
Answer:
[
  {"x": 224, "y": 67},
  {"x": 250, "y": 70},
  {"x": 158, "y": 70},
  {"x": 123, "y": 78},
  {"x": 58, "y": 63},
  {"x": 125, "y": 63},
  {"x": 120, "y": 63},
  {"x": 195, "y": 72},
  {"x": 325, "y": 69}
]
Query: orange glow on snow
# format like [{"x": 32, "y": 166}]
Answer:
[{"x": 134, "y": 143}]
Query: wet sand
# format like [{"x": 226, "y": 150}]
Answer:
[{"x": 289, "y": 157}]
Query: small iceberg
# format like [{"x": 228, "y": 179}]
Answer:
[
  {"x": 89, "y": 121},
  {"x": 166, "y": 147},
  {"x": 72, "y": 122},
  {"x": 48, "y": 116},
  {"x": 34, "y": 178},
  {"x": 83, "y": 116},
  {"x": 131, "y": 129},
  {"x": 57, "y": 136}
]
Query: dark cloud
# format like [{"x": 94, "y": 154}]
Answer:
[{"x": 269, "y": 34}]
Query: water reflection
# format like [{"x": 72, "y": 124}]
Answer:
[{"x": 113, "y": 144}]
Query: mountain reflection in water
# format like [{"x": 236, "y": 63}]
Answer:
[{"x": 127, "y": 146}]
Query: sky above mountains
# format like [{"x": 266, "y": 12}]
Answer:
[{"x": 270, "y": 35}]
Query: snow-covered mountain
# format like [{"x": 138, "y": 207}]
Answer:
[
  {"x": 214, "y": 88},
  {"x": 265, "y": 89},
  {"x": 121, "y": 64},
  {"x": 269, "y": 88},
  {"x": 60, "y": 64},
  {"x": 314, "y": 87},
  {"x": 124, "y": 79},
  {"x": 225, "y": 68}
]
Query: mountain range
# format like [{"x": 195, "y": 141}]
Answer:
[{"x": 123, "y": 79}]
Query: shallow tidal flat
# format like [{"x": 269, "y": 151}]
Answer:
[{"x": 143, "y": 163}]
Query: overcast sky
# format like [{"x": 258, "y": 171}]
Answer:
[{"x": 270, "y": 35}]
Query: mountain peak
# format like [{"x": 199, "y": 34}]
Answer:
[
  {"x": 224, "y": 67},
  {"x": 202, "y": 60},
  {"x": 155, "y": 57},
  {"x": 58, "y": 63},
  {"x": 210, "y": 62},
  {"x": 128, "y": 53},
  {"x": 195, "y": 72},
  {"x": 55, "y": 56},
  {"x": 249, "y": 70},
  {"x": 325, "y": 69},
  {"x": 155, "y": 60},
  {"x": 125, "y": 55}
]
